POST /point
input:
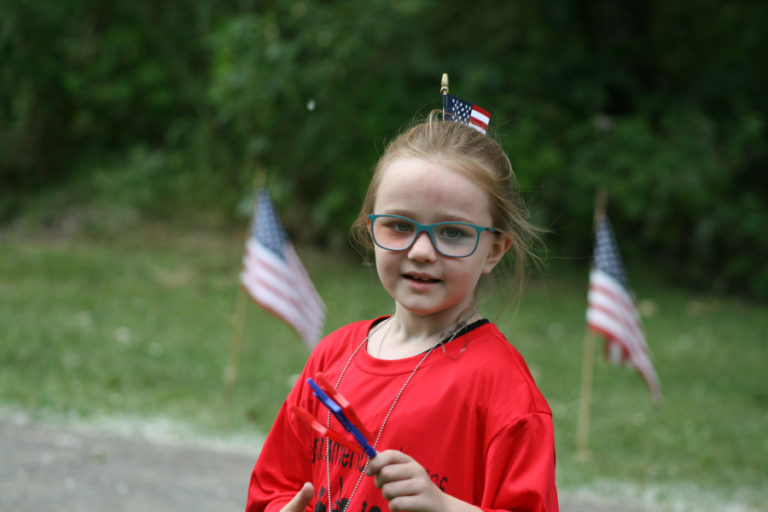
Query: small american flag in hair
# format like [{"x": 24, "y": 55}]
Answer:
[{"x": 457, "y": 109}]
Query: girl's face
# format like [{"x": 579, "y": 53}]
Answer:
[{"x": 421, "y": 280}]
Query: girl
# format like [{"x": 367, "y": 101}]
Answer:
[{"x": 459, "y": 423}]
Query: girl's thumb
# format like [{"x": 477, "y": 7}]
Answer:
[{"x": 300, "y": 502}]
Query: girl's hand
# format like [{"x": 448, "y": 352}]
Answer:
[
  {"x": 405, "y": 483},
  {"x": 300, "y": 502}
]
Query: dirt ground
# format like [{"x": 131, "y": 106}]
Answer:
[{"x": 71, "y": 468}]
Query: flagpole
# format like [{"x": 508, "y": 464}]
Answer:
[
  {"x": 238, "y": 317},
  {"x": 587, "y": 374},
  {"x": 588, "y": 359},
  {"x": 444, "y": 90},
  {"x": 238, "y": 327}
]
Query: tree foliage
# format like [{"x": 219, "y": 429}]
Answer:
[{"x": 659, "y": 102}]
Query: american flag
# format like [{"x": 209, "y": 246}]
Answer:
[
  {"x": 457, "y": 109},
  {"x": 275, "y": 278},
  {"x": 611, "y": 310}
]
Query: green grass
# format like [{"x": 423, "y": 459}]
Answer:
[
  {"x": 710, "y": 354},
  {"x": 140, "y": 325}
]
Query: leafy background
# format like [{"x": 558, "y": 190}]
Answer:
[{"x": 170, "y": 110}]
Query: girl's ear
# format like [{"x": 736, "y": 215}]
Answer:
[{"x": 500, "y": 246}]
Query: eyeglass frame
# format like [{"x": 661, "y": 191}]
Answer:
[{"x": 429, "y": 230}]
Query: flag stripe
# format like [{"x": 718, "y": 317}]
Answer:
[
  {"x": 267, "y": 290},
  {"x": 283, "y": 313},
  {"x": 480, "y": 111},
  {"x": 604, "y": 300},
  {"x": 642, "y": 365},
  {"x": 609, "y": 320},
  {"x": 617, "y": 330},
  {"x": 277, "y": 298},
  {"x": 478, "y": 124},
  {"x": 272, "y": 283},
  {"x": 265, "y": 296},
  {"x": 600, "y": 280},
  {"x": 264, "y": 267}
]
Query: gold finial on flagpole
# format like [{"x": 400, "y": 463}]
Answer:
[{"x": 444, "y": 91}]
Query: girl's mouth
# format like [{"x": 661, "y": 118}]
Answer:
[{"x": 420, "y": 279}]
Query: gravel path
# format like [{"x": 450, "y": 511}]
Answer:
[
  {"x": 46, "y": 466},
  {"x": 70, "y": 469}
]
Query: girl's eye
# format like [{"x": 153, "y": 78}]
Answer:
[
  {"x": 454, "y": 232},
  {"x": 400, "y": 226}
]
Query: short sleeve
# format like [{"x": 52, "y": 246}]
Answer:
[
  {"x": 520, "y": 472},
  {"x": 283, "y": 466}
]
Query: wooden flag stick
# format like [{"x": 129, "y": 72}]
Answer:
[
  {"x": 238, "y": 318},
  {"x": 238, "y": 328},
  {"x": 601, "y": 199},
  {"x": 588, "y": 360},
  {"x": 587, "y": 374}
]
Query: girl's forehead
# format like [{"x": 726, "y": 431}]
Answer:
[
  {"x": 422, "y": 184},
  {"x": 410, "y": 172}
]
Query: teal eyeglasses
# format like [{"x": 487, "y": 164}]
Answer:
[{"x": 452, "y": 239}]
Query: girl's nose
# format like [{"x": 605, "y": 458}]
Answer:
[{"x": 422, "y": 248}]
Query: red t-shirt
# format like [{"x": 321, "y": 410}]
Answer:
[{"x": 472, "y": 416}]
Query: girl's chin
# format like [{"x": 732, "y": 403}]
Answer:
[{"x": 427, "y": 308}]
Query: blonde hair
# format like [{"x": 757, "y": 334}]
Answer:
[{"x": 476, "y": 156}]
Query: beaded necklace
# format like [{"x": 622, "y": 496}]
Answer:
[{"x": 452, "y": 335}]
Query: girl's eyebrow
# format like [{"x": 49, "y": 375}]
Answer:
[
  {"x": 396, "y": 211},
  {"x": 440, "y": 218}
]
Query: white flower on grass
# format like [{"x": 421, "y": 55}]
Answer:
[{"x": 123, "y": 335}]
